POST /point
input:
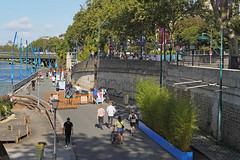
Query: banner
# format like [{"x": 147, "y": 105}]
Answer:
[
  {"x": 100, "y": 97},
  {"x": 49, "y": 62},
  {"x": 21, "y": 48},
  {"x": 161, "y": 30},
  {"x": 13, "y": 56},
  {"x": 35, "y": 61},
  {"x": 26, "y": 58},
  {"x": 62, "y": 85},
  {"x": 168, "y": 36},
  {"x": 56, "y": 66},
  {"x": 39, "y": 59}
]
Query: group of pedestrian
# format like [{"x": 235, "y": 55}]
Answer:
[{"x": 119, "y": 124}]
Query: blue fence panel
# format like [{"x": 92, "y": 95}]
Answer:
[
  {"x": 165, "y": 144},
  {"x": 167, "y": 57}
]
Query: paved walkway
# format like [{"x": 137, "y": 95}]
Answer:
[
  {"x": 89, "y": 142},
  {"x": 41, "y": 132}
]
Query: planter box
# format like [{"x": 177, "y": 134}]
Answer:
[{"x": 165, "y": 144}]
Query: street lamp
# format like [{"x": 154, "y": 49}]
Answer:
[
  {"x": 220, "y": 80},
  {"x": 55, "y": 103},
  {"x": 99, "y": 29}
]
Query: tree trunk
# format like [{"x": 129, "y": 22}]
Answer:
[
  {"x": 233, "y": 49},
  {"x": 95, "y": 71}
]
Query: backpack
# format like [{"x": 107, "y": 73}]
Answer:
[{"x": 133, "y": 118}]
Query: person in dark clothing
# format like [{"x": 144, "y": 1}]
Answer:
[
  {"x": 70, "y": 85},
  {"x": 68, "y": 128},
  {"x": 33, "y": 84}
]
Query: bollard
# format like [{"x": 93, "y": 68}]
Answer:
[
  {"x": 16, "y": 139},
  {"x": 28, "y": 90},
  {"x": 19, "y": 133},
  {"x": 24, "y": 119},
  {"x": 27, "y": 129},
  {"x": 39, "y": 151},
  {"x": 125, "y": 98},
  {"x": 28, "y": 120}
]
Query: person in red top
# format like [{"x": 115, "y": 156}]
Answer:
[{"x": 100, "y": 116}]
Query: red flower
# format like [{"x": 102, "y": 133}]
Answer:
[{"x": 5, "y": 98}]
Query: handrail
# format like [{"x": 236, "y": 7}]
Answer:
[{"x": 23, "y": 82}]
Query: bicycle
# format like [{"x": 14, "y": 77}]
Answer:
[{"x": 114, "y": 137}]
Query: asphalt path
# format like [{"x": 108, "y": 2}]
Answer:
[{"x": 90, "y": 142}]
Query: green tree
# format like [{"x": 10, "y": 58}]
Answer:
[
  {"x": 61, "y": 51},
  {"x": 227, "y": 17}
]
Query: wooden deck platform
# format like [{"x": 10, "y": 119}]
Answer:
[{"x": 15, "y": 130}]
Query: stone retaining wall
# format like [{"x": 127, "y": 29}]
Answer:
[{"x": 201, "y": 84}]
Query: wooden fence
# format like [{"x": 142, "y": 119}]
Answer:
[{"x": 70, "y": 103}]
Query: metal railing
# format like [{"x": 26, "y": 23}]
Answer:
[{"x": 18, "y": 85}]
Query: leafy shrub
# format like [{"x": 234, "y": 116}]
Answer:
[
  {"x": 5, "y": 105},
  {"x": 171, "y": 117}
]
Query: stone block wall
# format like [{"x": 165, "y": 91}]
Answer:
[
  {"x": 83, "y": 74},
  {"x": 201, "y": 84}
]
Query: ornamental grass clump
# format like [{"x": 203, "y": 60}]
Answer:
[{"x": 171, "y": 117}]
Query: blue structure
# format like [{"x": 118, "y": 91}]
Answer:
[
  {"x": 26, "y": 58},
  {"x": 15, "y": 37},
  {"x": 56, "y": 65},
  {"x": 39, "y": 59},
  {"x": 165, "y": 144},
  {"x": 49, "y": 62},
  {"x": 35, "y": 61},
  {"x": 21, "y": 48}
]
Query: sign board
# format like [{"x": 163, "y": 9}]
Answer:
[
  {"x": 100, "y": 97},
  {"x": 210, "y": 52},
  {"x": 192, "y": 47},
  {"x": 61, "y": 85},
  {"x": 177, "y": 48},
  {"x": 110, "y": 47}
]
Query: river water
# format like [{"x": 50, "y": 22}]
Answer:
[{"x": 5, "y": 76}]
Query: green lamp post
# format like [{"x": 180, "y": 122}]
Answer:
[
  {"x": 219, "y": 138},
  {"x": 99, "y": 29}
]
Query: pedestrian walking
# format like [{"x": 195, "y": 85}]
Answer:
[
  {"x": 68, "y": 129},
  {"x": 95, "y": 96},
  {"x": 50, "y": 100},
  {"x": 33, "y": 84},
  {"x": 133, "y": 121},
  {"x": 57, "y": 86},
  {"x": 100, "y": 116},
  {"x": 53, "y": 81},
  {"x": 120, "y": 127},
  {"x": 110, "y": 111},
  {"x": 46, "y": 74},
  {"x": 78, "y": 89}
]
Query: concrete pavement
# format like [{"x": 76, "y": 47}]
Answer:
[
  {"x": 41, "y": 132},
  {"x": 90, "y": 142}
]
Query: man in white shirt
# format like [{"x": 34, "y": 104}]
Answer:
[
  {"x": 53, "y": 81},
  {"x": 110, "y": 111},
  {"x": 78, "y": 88}
]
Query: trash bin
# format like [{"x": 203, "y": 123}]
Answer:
[
  {"x": 39, "y": 151},
  {"x": 125, "y": 99}
]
